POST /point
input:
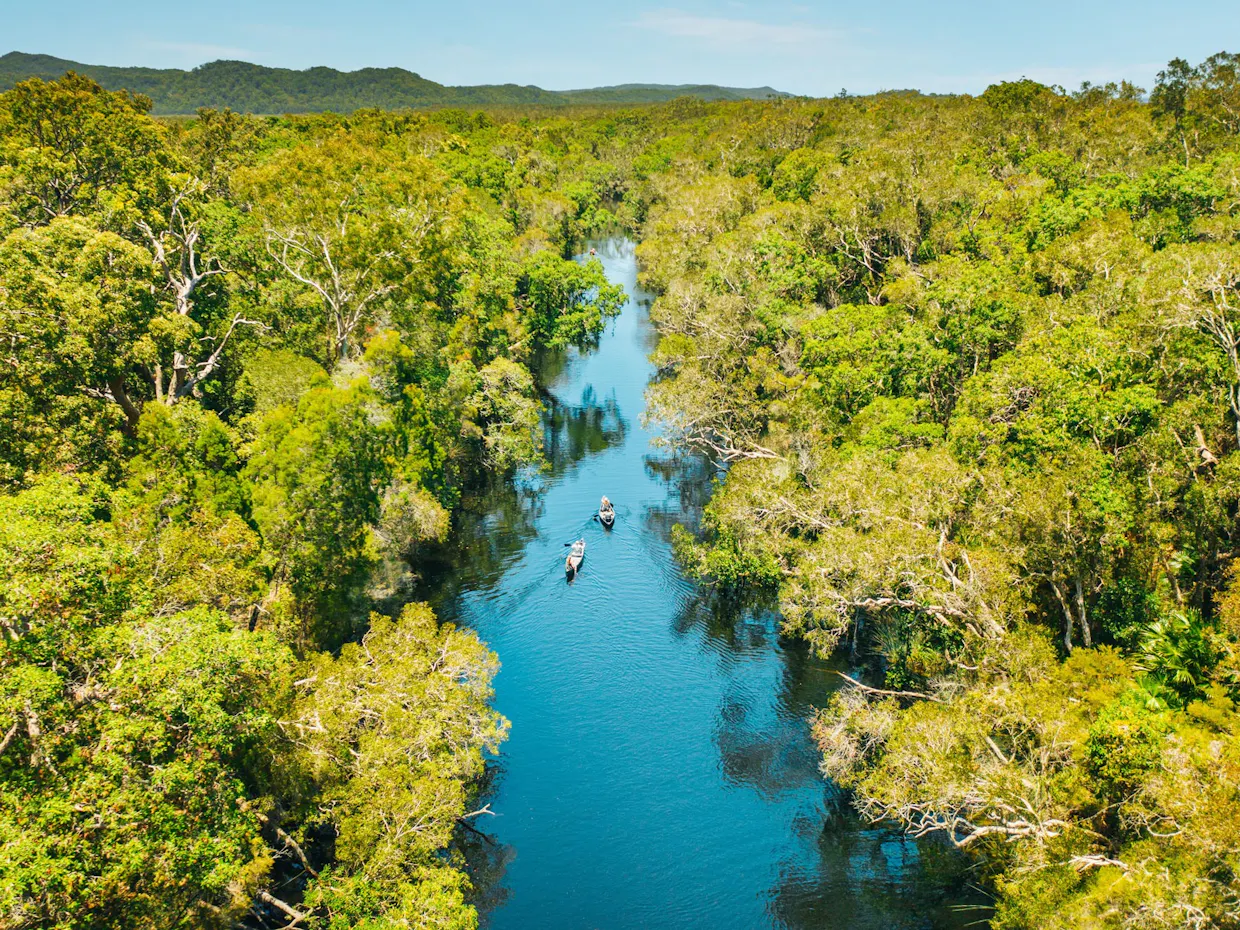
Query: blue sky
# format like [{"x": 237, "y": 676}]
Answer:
[{"x": 811, "y": 48}]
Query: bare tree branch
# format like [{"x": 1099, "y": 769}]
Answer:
[
  {"x": 8, "y": 737},
  {"x": 919, "y": 695},
  {"x": 268, "y": 898}
]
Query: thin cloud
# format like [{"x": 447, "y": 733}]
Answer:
[{"x": 722, "y": 31}]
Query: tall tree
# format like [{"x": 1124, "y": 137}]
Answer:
[
  {"x": 74, "y": 148},
  {"x": 76, "y": 306},
  {"x": 347, "y": 222}
]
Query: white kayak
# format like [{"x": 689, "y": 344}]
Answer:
[{"x": 575, "y": 555}]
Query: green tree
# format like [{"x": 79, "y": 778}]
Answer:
[
  {"x": 72, "y": 148},
  {"x": 564, "y": 302},
  {"x": 318, "y": 472},
  {"x": 132, "y": 743},
  {"x": 79, "y": 304},
  {"x": 395, "y": 730},
  {"x": 348, "y": 223}
]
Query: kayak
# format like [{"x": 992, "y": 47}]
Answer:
[{"x": 575, "y": 555}]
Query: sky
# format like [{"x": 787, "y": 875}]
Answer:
[{"x": 812, "y": 48}]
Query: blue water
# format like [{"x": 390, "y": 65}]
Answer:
[{"x": 659, "y": 771}]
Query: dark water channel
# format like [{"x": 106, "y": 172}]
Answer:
[{"x": 659, "y": 771}]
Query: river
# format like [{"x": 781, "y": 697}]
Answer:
[{"x": 659, "y": 771}]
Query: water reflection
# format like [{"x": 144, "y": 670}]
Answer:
[
  {"x": 491, "y": 529},
  {"x": 689, "y": 480},
  {"x": 575, "y": 432},
  {"x": 871, "y": 879}
]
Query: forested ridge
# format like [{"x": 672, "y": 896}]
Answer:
[
  {"x": 251, "y": 88},
  {"x": 968, "y": 367}
]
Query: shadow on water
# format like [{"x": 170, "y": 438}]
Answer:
[
  {"x": 862, "y": 879},
  {"x": 660, "y": 770}
]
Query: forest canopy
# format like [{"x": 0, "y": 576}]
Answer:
[
  {"x": 968, "y": 368},
  {"x": 250, "y": 366}
]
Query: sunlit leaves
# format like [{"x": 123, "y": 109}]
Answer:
[
  {"x": 318, "y": 471},
  {"x": 73, "y": 148},
  {"x": 395, "y": 729},
  {"x": 567, "y": 303}
]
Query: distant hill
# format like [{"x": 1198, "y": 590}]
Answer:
[{"x": 250, "y": 88}]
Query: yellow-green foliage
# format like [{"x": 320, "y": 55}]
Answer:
[
  {"x": 395, "y": 730},
  {"x": 972, "y": 367}
]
